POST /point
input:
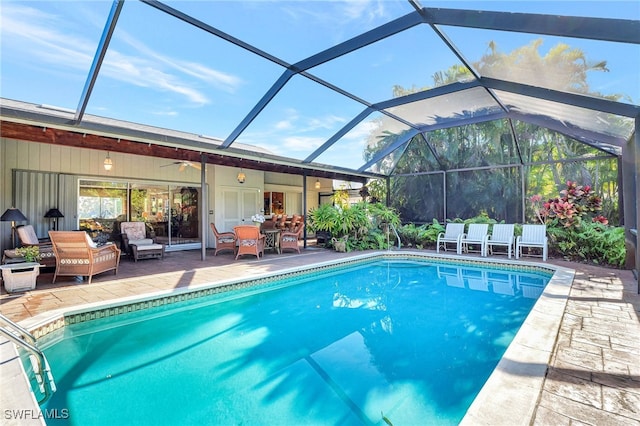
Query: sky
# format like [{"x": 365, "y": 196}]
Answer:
[{"x": 163, "y": 72}]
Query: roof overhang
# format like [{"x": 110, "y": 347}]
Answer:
[{"x": 43, "y": 124}]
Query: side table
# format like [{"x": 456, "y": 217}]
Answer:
[{"x": 272, "y": 239}]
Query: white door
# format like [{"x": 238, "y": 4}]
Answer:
[
  {"x": 238, "y": 207},
  {"x": 249, "y": 205}
]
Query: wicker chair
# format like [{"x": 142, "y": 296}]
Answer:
[
  {"x": 250, "y": 240},
  {"x": 295, "y": 222},
  {"x": 224, "y": 240},
  {"x": 76, "y": 255},
  {"x": 282, "y": 222},
  {"x": 289, "y": 240}
]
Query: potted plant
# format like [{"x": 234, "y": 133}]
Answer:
[
  {"x": 30, "y": 253},
  {"x": 22, "y": 276}
]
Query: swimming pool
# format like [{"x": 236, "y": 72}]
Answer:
[{"x": 392, "y": 345}]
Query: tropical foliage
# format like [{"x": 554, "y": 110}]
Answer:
[
  {"x": 593, "y": 242},
  {"x": 576, "y": 228},
  {"x": 420, "y": 187},
  {"x": 363, "y": 225},
  {"x": 575, "y": 204}
]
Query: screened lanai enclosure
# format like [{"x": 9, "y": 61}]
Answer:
[{"x": 449, "y": 110}]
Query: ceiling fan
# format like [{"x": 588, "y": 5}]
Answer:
[{"x": 184, "y": 164}]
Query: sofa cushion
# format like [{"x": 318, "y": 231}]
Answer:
[
  {"x": 134, "y": 230},
  {"x": 141, "y": 242},
  {"x": 91, "y": 243}
]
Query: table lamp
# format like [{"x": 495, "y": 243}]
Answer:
[
  {"x": 13, "y": 215},
  {"x": 54, "y": 214}
]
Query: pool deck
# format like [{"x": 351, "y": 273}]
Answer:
[{"x": 593, "y": 376}]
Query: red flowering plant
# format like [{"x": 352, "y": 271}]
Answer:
[
  {"x": 577, "y": 230},
  {"x": 575, "y": 202}
]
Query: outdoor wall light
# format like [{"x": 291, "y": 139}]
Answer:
[
  {"x": 241, "y": 177},
  {"x": 13, "y": 215},
  {"x": 317, "y": 184},
  {"x": 108, "y": 164}
]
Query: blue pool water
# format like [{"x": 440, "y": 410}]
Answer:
[{"x": 406, "y": 340}]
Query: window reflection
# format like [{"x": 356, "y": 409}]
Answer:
[{"x": 170, "y": 212}]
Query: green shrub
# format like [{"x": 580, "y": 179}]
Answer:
[
  {"x": 365, "y": 225},
  {"x": 409, "y": 235},
  {"x": 591, "y": 241},
  {"x": 428, "y": 236}
]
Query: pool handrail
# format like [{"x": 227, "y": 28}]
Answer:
[{"x": 23, "y": 338}]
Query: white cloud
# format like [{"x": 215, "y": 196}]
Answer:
[
  {"x": 362, "y": 131},
  {"x": 218, "y": 79},
  {"x": 301, "y": 143},
  {"x": 40, "y": 40},
  {"x": 141, "y": 73},
  {"x": 35, "y": 35},
  {"x": 166, "y": 113},
  {"x": 283, "y": 125},
  {"x": 357, "y": 9},
  {"x": 326, "y": 122}
]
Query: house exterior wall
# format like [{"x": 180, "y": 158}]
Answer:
[{"x": 74, "y": 163}]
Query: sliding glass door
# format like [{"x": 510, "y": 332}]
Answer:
[{"x": 171, "y": 212}]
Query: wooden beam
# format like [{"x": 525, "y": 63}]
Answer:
[{"x": 54, "y": 136}]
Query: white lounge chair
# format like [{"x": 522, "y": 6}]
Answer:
[
  {"x": 477, "y": 236},
  {"x": 532, "y": 236},
  {"x": 502, "y": 236},
  {"x": 451, "y": 234}
]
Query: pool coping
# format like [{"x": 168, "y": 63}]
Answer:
[{"x": 515, "y": 383}]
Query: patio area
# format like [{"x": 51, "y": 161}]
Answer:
[{"x": 594, "y": 373}]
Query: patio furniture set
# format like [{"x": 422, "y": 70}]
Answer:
[
  {"x": 74, "y": 253},
  {"x": 252, "y": 240},
  {"x": 477, "y": 236}
]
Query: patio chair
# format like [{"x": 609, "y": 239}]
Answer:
[
  {"x": 250, "y": 240},
  {"x": 282, "y": 222},
  {"x": 476, "y": 236},
  {"x": 289, "y": 239},
  {"x": 533, "y": 236},
  {"x": 224, "y": 240},
  {"x": 76, "y": 255},
  {"x": 296, "y": 220},
  {"x": 28, "y": 237},
  {"x": 269, "y": 224},
  {"x": 452, "y": 234},
  {"x": 502, "y": 236},
  {"x": 136, "y": 243}
]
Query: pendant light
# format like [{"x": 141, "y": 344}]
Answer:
[
  {"x": 241, "y": 176},
  {"x": 108, "y": 164}
]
